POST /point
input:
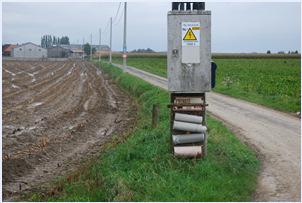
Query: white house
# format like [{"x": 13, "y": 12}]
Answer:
[{"x": 29, "y": 50}]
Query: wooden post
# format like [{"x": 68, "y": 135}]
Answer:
[
  {"x": 155, "y": 115},
  {"x": 171, "y": 122},
  {"x": 205, "y": 145}
]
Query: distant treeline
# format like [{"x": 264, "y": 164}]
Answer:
[
  {"x": 49, "y": 41},
  {"x": 148, "y": 50}
]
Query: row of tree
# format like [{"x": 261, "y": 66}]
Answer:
[
  {"x": 282, "y": 52},
  {"x": 148, "y": 50},
  {"x": 48, "y": 40}
]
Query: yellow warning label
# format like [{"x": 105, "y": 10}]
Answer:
[{"x": 189, "y": 35}]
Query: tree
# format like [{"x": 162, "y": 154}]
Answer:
[
  {"x": 48, "y": 40},
  {"x": 87, "y": 48},
  {"x": 268, "y": 52},
  {"x": 65, "y": 40},
  {"x": 42, "y": 42}
]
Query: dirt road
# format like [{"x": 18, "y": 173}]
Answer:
[
  {"x": 55, "y": 116},
  {"x": 274, "y": 135}
]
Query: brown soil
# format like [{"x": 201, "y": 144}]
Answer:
[{"x": 55, "y": 116}]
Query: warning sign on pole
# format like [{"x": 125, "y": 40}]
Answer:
[{"x": 190, "y": 33}]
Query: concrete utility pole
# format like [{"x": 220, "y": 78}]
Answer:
[
  {"x": 100, "y": 48},
  {"x": 110, "y": 54},
  {"x": 125, "y": 34},
  {"x": 83, "y": 49},
  {"x": 91, "y": 46}
]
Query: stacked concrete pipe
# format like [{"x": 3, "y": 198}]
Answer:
[{"x": 192, "y": 125}]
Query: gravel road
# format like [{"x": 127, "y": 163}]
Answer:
[{"x": 274, "y": 135}]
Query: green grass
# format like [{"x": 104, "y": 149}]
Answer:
[
  {"x": 142, "y": 168},
  {"x": 274, "y": 83},
  {"x": 271, "y": 82},
  {"x": 155, "y": 65}
]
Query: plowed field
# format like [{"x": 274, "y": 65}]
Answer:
[{"x": 55, "y": 116}]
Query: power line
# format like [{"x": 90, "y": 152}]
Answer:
[
  {"x": 107, "y": 26},
  {"x": 120, "y": 17},
  {"x": 119, "y": 6}
]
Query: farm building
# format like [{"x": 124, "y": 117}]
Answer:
[
  {"x": 101, "y": 47},
  {"x": 80, "y": 46},
  {"x": 29, "y": 50},
  {"x": 58, "y": 52},
  {"x": 76, "y": 53},
  {"x": 7, "y": 49}
]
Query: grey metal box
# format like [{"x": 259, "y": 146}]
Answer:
[{"x": 189, "y": 64}]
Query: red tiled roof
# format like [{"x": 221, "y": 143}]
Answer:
[{"x": 10, "y": 48}]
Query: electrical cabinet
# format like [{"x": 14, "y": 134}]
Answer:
[{"x": 189, "y": 51}]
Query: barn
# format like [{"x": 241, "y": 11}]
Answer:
[
  {"x": 58, "y": 52},
  {"x": 29, "y": 50}
]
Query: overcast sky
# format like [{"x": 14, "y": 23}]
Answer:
[{"x": 236, "y": 27}]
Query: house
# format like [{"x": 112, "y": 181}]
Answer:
[
  {"x": 7, "y": 49},
  {"x": 29, "y": 50},
  {"x": 58, "y": 52}
]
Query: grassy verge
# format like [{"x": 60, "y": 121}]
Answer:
[
  {"x": 143, "y": 169},
  {"x": 155, "y": 65},
  {"x": 274, "y": 83}
]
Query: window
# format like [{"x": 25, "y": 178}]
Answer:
[
  {"x": 39, "y": 49},
  {"x": 29, "y": 49},
  {"x": 20, "y": 49}
]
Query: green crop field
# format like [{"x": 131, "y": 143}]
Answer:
[{"x": 274, "y": 83}]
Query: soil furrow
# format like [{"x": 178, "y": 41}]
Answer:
[{"x": 67, "y": 124}]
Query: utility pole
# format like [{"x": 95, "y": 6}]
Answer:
[
  {"x": 91, "y": 46},
  {"x": 125, "y": 34},
  {"x": 83, "y": 49},
  {"x": 110, "y": 54},
  {"x": 100, "y": 48}
]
